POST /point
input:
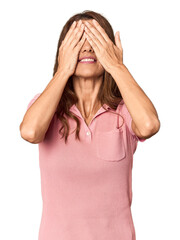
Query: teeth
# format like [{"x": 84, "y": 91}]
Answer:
[{"x": 87, "y": 60}]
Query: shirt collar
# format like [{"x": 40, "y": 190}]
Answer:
[{"x": 75, "y": 110}]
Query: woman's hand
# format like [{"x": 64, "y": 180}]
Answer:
[
  {"x": 108, "y": 54},
  {"x": 70, "y": 47}
]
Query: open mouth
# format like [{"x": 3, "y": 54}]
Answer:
[{"x": 87, "y": 60}]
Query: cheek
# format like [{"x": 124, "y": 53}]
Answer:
[{"x": 100, "y": 65}]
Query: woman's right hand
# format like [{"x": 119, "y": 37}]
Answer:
[{"x": 70, "y": 47}]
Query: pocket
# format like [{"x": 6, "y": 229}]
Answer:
[{"x": 110, "y": 145}]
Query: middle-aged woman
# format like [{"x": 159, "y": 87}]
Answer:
[{"x": 86, "y": 173}]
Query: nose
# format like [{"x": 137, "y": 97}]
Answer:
[{"x": 87, "y": 47}]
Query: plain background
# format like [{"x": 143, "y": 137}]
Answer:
[{"x": 149, "y": 32}]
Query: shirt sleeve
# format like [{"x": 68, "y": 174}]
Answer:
[
  {"x": 33, "y": 100},
  {"x": 128, "y": 121}
]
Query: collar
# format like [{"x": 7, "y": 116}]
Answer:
[{"x": 75, "y": 110}]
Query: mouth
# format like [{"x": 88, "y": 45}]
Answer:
[{"x": 87, "y": 60}]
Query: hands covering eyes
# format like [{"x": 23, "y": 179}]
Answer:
[
  {"x": 108, "y": 54},
  {"x": 70, "y": 47}
]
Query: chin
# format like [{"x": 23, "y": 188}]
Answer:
[
  {"x": 87, "y": 73},
  {"x": 91, "y": 76}
]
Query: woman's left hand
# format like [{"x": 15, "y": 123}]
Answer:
[{"x": 108, "y": 54}]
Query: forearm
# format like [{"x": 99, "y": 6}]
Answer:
[
  {"x": 138, "y": 104},
  {"x": 38, "y": 117}
]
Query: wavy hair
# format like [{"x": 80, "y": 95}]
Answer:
[{"x": 108, "y": 93}]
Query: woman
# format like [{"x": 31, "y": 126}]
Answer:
[{"x": 86, "y": 173}]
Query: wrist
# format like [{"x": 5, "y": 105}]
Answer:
[
  {"x": 62, "y": 73},
  {"x": 116, "y": 68}
]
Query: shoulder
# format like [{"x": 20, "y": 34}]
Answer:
[{"x": 122, "y": 109}]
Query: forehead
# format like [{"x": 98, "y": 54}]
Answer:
[{"x": 86, "y": 20}]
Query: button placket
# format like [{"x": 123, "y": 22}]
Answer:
[
  {"x": 88, "y": 134},
  {"x": 87, "y": 128}
]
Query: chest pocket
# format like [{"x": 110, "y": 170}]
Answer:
[{"x": 110, "y": 145}]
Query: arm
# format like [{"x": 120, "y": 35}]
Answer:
[
  {"x": 145, "y": 122},
  {"x": 39, "y": 115}
]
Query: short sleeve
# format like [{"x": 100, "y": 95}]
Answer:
[
  {"x": 33, "y": 100},
  {"x": 128, "y": 121}
]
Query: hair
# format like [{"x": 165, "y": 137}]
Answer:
[{"x": 108, "y": 93}]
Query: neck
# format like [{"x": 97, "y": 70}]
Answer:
[{"x": 86, "y": 90}]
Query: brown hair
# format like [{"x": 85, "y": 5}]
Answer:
[{"x": 109, "y": 92}]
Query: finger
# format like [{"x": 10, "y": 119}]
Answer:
[
  {"x": 81, "y": 42},
  {"x": 101, "y": 30},
  {"x": 118, "y": 41},
  {"x": 93, "y": 37},
  {"x": 92, "y": 43},
  {"x": 95, "y": 34},
  {"x": 73, "y": 25},
  {"x": 75, "y": 34}
]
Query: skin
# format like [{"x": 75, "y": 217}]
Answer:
[{"x": 87, "y": 80}]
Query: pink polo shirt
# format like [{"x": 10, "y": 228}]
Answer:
[{"x": 86, "y": 185}]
